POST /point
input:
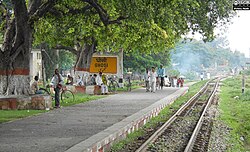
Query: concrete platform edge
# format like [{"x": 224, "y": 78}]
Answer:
[{"x": 103, "y": 140}]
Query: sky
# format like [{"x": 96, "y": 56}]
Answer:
[{"x": 238, "y": 33}]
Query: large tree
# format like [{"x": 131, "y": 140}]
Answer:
[
  {"x": 144, "y": 25},
  {"x": 18, "y": 18},
  {"x": 17, "y": 22}
]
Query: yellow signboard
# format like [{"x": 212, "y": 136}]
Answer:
[{"x": 103, "y": 64}]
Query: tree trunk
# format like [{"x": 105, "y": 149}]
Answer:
[
  {"x": 83, "y": 61},
  {"x": 14, "y": 76},
  {"x": 44, "y": 73},
  {"x": 15, "y": 54},
  {"x": 15, "y": 67}
]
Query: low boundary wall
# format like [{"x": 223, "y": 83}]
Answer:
[{"x": 37, "y": 102}]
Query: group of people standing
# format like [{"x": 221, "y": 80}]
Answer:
[
  {"x": 151, "y": 78},
  {"x": 180, "y": 82},
  {"x": 156, "y": 79}
]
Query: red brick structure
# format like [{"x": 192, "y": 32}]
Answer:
[
  {"x": 38, "y": 102},
  {"x": 97, "y": 90},
  {"x": 80, "y": 89}
]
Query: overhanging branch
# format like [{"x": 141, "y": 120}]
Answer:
[
  {"x": 9, "y": 35},
  {"x": 103, "y": 13},
  {"x": 34, "y": 5},
  {"x": 79, "y": 11},
  {"x": 71, "y": 49},
  {"x": 71, "y": 11},
  {"x": 118, "y": 20},
  {"x": 43, "y": 9},
  {"x": 5, "y": 13}
]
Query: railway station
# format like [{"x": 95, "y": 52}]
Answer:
[{"x": 124, "y": 76}]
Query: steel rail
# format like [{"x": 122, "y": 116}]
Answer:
[
  {"x": 199, "y": 124},
  {"x": 152, "y": 138}
]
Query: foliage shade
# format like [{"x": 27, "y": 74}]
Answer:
[
  {"x": 65, "y": 60},
  {"x": 146, "y": 26},
  {"x": 138, "y": 62}
]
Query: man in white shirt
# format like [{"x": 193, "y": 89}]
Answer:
[
  {"x": 153, "y": 76},
  {"x": 99, "y": 82},
  {"x": 56, "y": 83}
]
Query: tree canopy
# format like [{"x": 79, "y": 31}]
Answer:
[
  {"x": 138, "y": 62},
  {"x": 140, "y": 25},
  {"x": 147, "y": 26}
]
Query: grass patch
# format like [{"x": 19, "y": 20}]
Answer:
[
  {"x": 81, "y": 98},
  {"x": 9, "y": 115},
  {"x": 125, "y": 89},
  {"x": 164, "y": 115},
  {"x": 134, "y": 85},
  {"x": 235, "y": 113}
]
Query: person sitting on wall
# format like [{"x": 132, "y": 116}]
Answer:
[
  {"x": 102, "y": 82},
  {"x": 79, "y": 81},
  {"x": 34, "y": 86},
  {"x": 69, "y": 80},
  {"x": 105, "y": 84},
  {"x": 93, "y": 78}
]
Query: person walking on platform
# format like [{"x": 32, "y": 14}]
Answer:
[
  {"x": 146, "y": 78},
  {"x": 178, "y": 82},
  {"x": 161, "y": 74},
  {"x": 153, "y": 76},
  {"x": 202, "y": 76},
  {"x": 182, "y": 81}
]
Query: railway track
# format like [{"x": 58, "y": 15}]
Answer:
[{"x": 189, "y": 128}]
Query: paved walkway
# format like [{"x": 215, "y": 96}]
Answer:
[{"x": 72, "y": 128}]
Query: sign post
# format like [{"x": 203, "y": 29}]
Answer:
[{"x": 103, "y": 64}]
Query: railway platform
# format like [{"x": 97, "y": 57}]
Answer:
[{"x": 91, "y": 126}]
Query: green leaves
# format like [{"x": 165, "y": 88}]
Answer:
[
  {"x": 71, "y": 30},
  {"x": 147, "y": 25}
]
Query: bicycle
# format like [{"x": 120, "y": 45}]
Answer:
[
  {"x": 113, "y": 85},
  {"x": 66, "y": 95}
]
